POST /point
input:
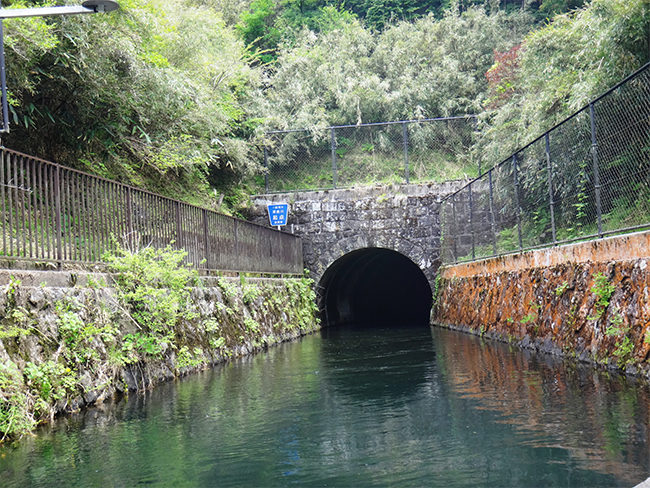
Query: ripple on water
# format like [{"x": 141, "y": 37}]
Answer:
[{"x": 407, "y": 407}]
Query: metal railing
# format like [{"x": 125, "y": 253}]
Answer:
[
  {"x": 51, "y": 213},
  {"x": 587, "y": 177},
  {"x": 390, "y": 152}
]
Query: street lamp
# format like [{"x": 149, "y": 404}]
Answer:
[{"x": 87, "y": 7}]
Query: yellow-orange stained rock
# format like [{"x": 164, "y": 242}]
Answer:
[{"x": 545, "y": 299}]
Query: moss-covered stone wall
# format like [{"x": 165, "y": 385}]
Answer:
[{"x": 69, "y": 340}]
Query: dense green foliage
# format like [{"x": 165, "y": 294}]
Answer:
[
  {"x": 563, "y": 65},
  {"x": 153, "y": 94},
  {"x": 428, "y": 68},
  {"x": 154, "y": 287},
  {"x": 87, "y": 343},
  {"x": 520, "y": 78},
  {"x": 175, "y": 96},
  {"x": 269, "y": 22}
]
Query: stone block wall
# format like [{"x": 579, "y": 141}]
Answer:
[
  {"x": 332, "y": 223},
  {"x": 67, "y": 342}
]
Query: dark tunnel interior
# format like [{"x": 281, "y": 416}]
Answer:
[{"x": 374, "y": 286}]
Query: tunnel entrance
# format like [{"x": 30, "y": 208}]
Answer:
[{"x": 374, "y": 286}]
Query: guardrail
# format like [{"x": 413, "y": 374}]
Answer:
[
  {"x": 51, "y": 213},
  {"x": 587, "y": 177}
]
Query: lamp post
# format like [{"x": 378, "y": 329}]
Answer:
[{"x": 87, "y": 7}]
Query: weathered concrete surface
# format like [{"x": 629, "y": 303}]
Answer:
[
  {"x": 58, "y": 279},
  {"x": 620, "y": 248},
  {"x": 403, "y": 218},
  {"x": 552, "y": 300}
]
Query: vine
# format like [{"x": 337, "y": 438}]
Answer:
[
  {"x": 623, "y": 346},
  {"x": 603, "y": 290}
]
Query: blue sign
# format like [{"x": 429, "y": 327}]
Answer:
[{"x": 278, "y": 214}]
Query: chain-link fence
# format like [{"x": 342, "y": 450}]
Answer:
[
  {"x": 589, "y": 176},
  {"x": 387, "y": 152}
]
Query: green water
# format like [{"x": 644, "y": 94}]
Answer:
[{"x": 357, "y": 407}]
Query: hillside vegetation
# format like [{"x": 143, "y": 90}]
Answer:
[{"x": 175, "y": 96}]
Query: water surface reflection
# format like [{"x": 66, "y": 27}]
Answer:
[
  {"x": 599, "y": 418},
  {"x": 357, "y": 407}
]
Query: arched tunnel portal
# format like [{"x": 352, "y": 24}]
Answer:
[{"x": 374, "y": 286}]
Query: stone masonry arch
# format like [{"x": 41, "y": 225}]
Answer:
[{"x": 335, "y": 223}]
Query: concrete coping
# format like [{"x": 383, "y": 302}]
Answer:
[
  {"x": 69, "y": 279},
  {"x": 360, "y": 192},
  {"x": 634, "y": 246}
]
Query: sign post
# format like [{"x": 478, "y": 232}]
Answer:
[{"x": 278, "y": 213}]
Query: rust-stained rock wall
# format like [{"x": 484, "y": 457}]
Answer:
[{"x": 588, "y": 300}]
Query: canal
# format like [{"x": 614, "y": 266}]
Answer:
[{"x": 357, "y": 407}]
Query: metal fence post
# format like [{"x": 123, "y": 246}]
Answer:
[
  {"x": 57, "y": 216},
  {"x": 333, "y": 145},
  {"x": 454, "y": 249},
  {"x": 405, "y": 138},
  {"x": 493, "y": 225},
  {"x": 594, "y": 155},
  {"x": 549, "y": 170},
  {"x": 266, "y": 169},
  {"x": 179, "y": 226},
  {"x": 515, "y": 172},
  {"x": 206, "y": 240},
  {"x": 471, "y": 220}
]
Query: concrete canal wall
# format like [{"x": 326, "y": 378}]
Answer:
[
  {"x": 590, "y": 300},
  {"x": 67, "y": 340}
]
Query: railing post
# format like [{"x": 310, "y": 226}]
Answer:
[
  {"x": 129, "y": 219},
  {"x": 333, "y": 145},
  {"x": 206, "y": 240},
  {"x": 405, "y": 139},
  {"x": 266, "y": 169},
  {"x": 515, "y": 172},
  {"x": 179, "y": 226},
  {"x": 57, "y": 216},
  {"x": 493, "y": 225},
  {"x": 471, "y": 220},
  {"x": 455, "y": 235},
  {"x": 549, "y": 170},
  {"x": 594, "y": 156}
]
